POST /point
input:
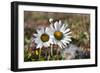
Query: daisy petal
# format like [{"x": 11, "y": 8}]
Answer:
[
  {"x": 68, "y": 33},
  {"x": 60, "y": 22},
  {"x": 52, "y": 28},
  {"x": 39, "y": 46},
  {"x": 67, "y": 30},
  {"x": 35, "y": 35},
  {"x": 59, "y": 25},
  {"x": 63, "y": 28},
  {"x": 56, "y": 25}
]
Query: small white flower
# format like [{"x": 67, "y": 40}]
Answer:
[
  {"x": 42, "y": 38},
  {"x": 50, "y": 20},
  {"x": 60, "y": 34}
]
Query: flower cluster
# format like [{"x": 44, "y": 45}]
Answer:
[{"x": 57, "y": 33}]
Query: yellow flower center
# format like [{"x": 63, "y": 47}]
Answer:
[
  {"x": 44, "y": 37},
  {"x": 58, "y": 35}
]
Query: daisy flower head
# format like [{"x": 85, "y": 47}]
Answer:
[
  {"x": 42, "y": 38},
  {"x": 60, "y": 34}
]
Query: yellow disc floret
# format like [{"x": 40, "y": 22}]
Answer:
[
  {"x": 58, "y": 35},
  {"x": 44, "y": 37}
]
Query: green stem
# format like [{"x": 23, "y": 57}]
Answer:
[
  {"x": 57, "y": 52},
  {"x": 39, "y": 53},
  {"x": 51, "y": 50}
]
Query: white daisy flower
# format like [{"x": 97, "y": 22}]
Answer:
[
  {"x": 42, "y": 38},
  {"x": 60, "y": 34}
]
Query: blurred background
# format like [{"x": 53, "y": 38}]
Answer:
[{"x": 78, "y": 23}]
